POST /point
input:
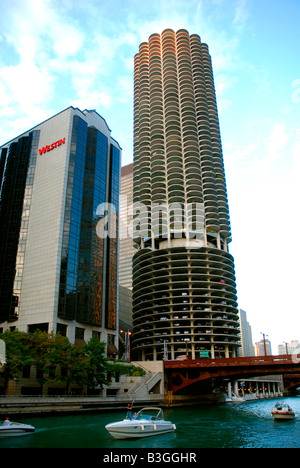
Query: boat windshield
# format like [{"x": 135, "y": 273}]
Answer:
[
  {"x": 149, "y": 415},
  {"x": 283, "y": 406}
]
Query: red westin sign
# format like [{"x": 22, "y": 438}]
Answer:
[{"x": 47, "y": 148}]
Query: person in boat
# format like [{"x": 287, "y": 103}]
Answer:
[
  {"x": 129, "y": 414},
  {"x": 6, "y": 422}
]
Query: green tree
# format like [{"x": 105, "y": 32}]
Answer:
[
  {"x": 96, "y": 364},
  {"x": 124, "y": 369},
  {"x": 65, "y": 363},
  {"x": 18, "y": 355},
  {"x": 40, "y": 341},
  {"x": 58, "y": 361}
]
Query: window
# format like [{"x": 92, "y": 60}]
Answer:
[
  {"x": 61, "y": 329},
  {"x": 38, "y": 326},
  {"x": 110, "y": 339},
  {"x": 97, "y": 335},
  {"x": 79, "y": 333}
]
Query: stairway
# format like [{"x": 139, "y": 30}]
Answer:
[{"x": 144, "y": 389}]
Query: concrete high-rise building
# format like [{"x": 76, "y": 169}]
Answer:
[
  {"x": 127, "y": 248},
  {"x": 289, "y": 348},
  {"x": 263, "y": 348},
  {"x": 58, "y": 269},
  {"x": 184, "y": 290},
  {"x": 247, "y": 348}
]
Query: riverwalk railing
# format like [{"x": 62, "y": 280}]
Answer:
[{"x": 62, "y": 404}]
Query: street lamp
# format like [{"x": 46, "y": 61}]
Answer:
[
  {"x": 264, "y": 338},
  {"x": 186, "y": 347},
  {"x": 165, "y": 351}
]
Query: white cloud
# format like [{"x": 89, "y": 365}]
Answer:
[
  {"x": 54, "y": 44},
  {"x": 259, "y": 153},
  {"x": 125, "y": 90},
  {"x": 241, "y": 13},
  {"x": 296, "y": 153},
  {"x": 36, "y": 26},
  {"x": 87, "y": 100},
  {"x": 37, "y": 32},
  {"x": 264, "y": 191},
  {"x": 26, "y": 84},
  {"x": 296, "y": 93},
  {"x": 275, "y": 146},
  {"x": 277, "y": 140}
]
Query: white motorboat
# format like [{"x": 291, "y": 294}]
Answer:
[
  {"x": 10, "y": 428},
  {"x": 237, "y": 398},
  {"x": 283, "y": 411},
  {"x": 147, "y": 422},
  {"x": 233, "y": 398}
]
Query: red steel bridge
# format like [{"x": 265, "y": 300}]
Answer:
[{"x": 188, "y": 376}]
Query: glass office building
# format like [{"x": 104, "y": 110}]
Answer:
[
  {"x": 58, "y": 268},
  {"x": 184, "y": 290}
]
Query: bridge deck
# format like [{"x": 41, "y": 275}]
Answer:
[{"x": 183, "y": 373}]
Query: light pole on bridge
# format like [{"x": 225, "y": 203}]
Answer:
[{"x": 264, "y": 338}]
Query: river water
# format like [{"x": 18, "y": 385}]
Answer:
[{"x": 231, "y": 425}]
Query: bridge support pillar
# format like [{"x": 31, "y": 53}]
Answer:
[
  {"x": 236, "y": 388},
  {"x": 229, "y": 392}
]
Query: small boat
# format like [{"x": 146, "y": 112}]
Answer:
[
  {"x": 233, "y": 398},
  {"x": 237, "y": 398},
  {"x": 11, "y": 428},
  {"x": 282, "y": 411},
  {"x": 147, "y": 422}
]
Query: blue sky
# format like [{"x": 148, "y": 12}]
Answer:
[{"x": 54, "y": 54}]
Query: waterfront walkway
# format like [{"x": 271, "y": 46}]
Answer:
[{"x": 30, "y": 405}]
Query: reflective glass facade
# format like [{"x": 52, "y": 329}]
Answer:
[
  {"x": 17, "y": 172},
  {"x": 85, "y": 285},
  {"x": 90, "y": 267},
  {"x": 72, "y": 223},
  {"x": 112, "y": 242}
]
